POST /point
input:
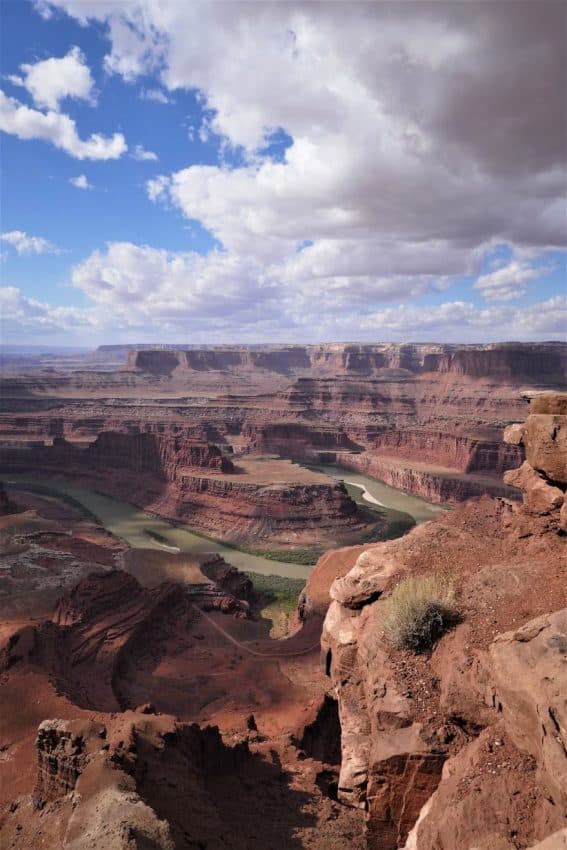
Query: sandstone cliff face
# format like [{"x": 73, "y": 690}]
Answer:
[
  {"x": 441, "y": 485},
  {"x": 439, "y": 406},
  {"x": 459, "y": 451},
  {"x": 102, "y": 783},
  {"x": 160, "y": 362},
  {"x": 521, "y": 361},
  {"x": 465, "y": 746},
  {"x": 164, "y": 455}
]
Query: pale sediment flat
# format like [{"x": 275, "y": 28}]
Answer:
[{"x": 368, "y": 497}]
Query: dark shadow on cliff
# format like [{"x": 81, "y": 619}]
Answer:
[{"x": 220, "y": 798}]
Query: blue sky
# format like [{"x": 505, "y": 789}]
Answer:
[{"x": 275, "y": 173}]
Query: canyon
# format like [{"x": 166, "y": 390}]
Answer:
[
  {"x": 425, "y": 418},
  {"x": 174, "y": 476},
  {"x": 145, "y": 704}
]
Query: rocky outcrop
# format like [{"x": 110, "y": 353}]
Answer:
[
  {"x": 526, "y": 671},
  {"x": 61, "y": 758},
  {"x": 542, "y": 478},
  {"x": 103, "y": 783},
  {"x": 108, "y": 620},
  {"x": 6, "y": 506},
  {"x": 227, "y": 578},
  {"x": 464, "y": 746}
]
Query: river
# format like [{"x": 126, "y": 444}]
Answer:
[
  {"x": 388, "y": 497},
  {"x": 145, "y": 531}
]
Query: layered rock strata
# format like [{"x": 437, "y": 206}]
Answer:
[
  {"x": 510, "y": 360},
  {"x": 193, "y": 481},
  {"x": 464, "y": 746},
  {"x": 100, "y": 626},
  {"x": 434, "y": 410}
]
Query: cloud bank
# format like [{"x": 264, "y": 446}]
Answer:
[{"x": 418, "y": 136}]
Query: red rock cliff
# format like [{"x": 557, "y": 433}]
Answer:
[
  {"x": 465, "y": 745},
  {"x": 540, "y": 361}
]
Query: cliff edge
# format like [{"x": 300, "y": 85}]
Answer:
[{"x": 464, "y": 745}]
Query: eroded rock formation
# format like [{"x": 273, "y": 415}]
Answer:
[
  {"x": 426, "y": 418},
  {"x": 177, "y": 477},
  {"x": 100, "y": 627},
  {"x": 510, "y": 360},
  {"x": 104, "y": 780},
  {"x": 464, "y": 746}
]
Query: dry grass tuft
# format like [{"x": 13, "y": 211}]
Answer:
[{"x": 419, "y": 610}]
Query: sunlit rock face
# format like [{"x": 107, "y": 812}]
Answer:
[{"x": 463, "y": 745}]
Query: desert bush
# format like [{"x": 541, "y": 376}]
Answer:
[
  {"x": 277, "y": 589},
  {"x": 419, "y": 610}
]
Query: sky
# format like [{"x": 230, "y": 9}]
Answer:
[{"x": 238, "y": 172}]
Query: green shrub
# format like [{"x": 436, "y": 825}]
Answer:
[
  {"x": 279, "y": 590},
  {"x": 418, "y": 611}
]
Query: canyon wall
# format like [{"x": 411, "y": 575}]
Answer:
[
  {"x": 435, "y": 485},
  {"x": 464, "y": 744},
  {"x": 162, "y": 455},
  {"x": 427, "y": 418},
  {"x": 176, "y": 477},
  {"x": 539, "y": 362},
  {"x": 98, "y": 783}
]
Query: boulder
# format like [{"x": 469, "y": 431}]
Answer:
[
  {"x": 539, "y": 497},
  {"x": 545, "y": 439},
  {"x": 514, "y": 434},
  {"x": 529, "y": 674}
]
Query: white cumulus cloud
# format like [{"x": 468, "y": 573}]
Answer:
[
  {"x": 51, "y": 80},
  {"x": 143, "y": 155},
  {"x": 155, "y": 96},
  {"x": 80, "y": 182},
  {"x": 59, "y": 129},
  {"x": 508, "y": 282},
  {"x": 22, "y": 314},
  {"x": 25, "y": 244}
]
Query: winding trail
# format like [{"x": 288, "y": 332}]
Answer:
[{"x": 275, "y": 656}]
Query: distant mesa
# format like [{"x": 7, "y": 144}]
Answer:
[{"x": 540, "y": 361}]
